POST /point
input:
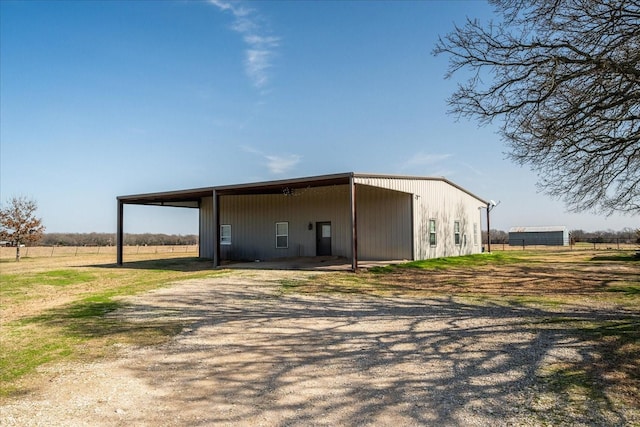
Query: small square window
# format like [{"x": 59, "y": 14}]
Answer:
[
  {"x": 282, "y": 235},
  {"x": 225, "y": 234}
]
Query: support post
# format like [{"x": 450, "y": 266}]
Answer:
[
  {"x": 488, "y": 228},
  {"x": 216, "y": 229},
  {"x": 354, "y": 225},
  {"x": 119, "y": 233}
]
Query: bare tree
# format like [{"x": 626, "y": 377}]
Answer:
[
  {"x": 18, "y": 224},
  {"x": 564, "y": 78}
]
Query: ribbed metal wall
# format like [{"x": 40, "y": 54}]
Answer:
[
  {"x": 391, "y": 224},
  {"x": 206, "y": 234},
  {"x": 253, "y": 221},
  {"x": 384, "y": 221},
  {"x": 439, "y": 200},
  {"x": 550, "y": 238}
]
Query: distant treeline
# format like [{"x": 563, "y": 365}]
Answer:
[
  {"x": 109, "y": 239},
  {"x": 627, "y": 235}
]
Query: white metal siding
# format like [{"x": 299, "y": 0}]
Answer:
[
  {"x": 253, "y": 218},
  {"x": 392, "y": 218},
  {"x": 439, "y": 200},
  {"x": 384, "y": 221}
]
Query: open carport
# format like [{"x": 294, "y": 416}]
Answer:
[{"x": 360, "y": 217}]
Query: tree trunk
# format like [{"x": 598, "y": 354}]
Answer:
[{"x": 17, "y": 252}]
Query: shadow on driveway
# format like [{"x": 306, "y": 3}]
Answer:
[{"x": 253, "y": 356}]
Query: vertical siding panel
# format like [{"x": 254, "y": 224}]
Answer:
[
  {"x": 253, "y": 219},
  {"x": 384, "y": 224},
  {"x": 206, "y": 234},
  {"x": 391, "y": 224},
  {"x": 439, "y": 200}
]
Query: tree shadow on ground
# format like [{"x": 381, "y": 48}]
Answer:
[
  {"x": 249, "y": 355},
  {"x": 626, "y": 257},
  {"x": 185, "y": 264},
  {"x": 575, "y": 279}
]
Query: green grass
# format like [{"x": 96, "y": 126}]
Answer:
[
  {"x": 34, "y": 353},
  {"x": 626, "y": 256},
  {"x": 85, "y": 327},
  {"x": 589, "y": 379},
  {"x": 14, "y": 282},
  {"x": 626, "y": 290},
  {"x": 495, "y": 258}
]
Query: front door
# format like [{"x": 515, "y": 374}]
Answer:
[{"x": 323, "y": 238}]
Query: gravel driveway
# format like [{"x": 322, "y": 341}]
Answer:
[{"x": 252, "y": 356}]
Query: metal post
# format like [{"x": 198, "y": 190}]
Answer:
[
  {"x": 354, "y": 225},
  {"x": 216, "y": 229},
  {"x": 488, "y": 228},
  {"x": 119, "y": 233}
]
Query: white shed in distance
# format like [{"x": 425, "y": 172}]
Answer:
[{"x": 531, "y": 236}]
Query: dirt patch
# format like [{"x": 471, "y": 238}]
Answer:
[{"x": 252, "y": 355}]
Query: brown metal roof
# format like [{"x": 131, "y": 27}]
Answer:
[
  {"x": 192, "y": 197},
  {"x": 180, "y": 198}
]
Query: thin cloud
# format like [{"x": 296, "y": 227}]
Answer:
[
  {"x": 424, "y": 159},
  {"x": 427, "y": 164},
  {"x": 473, "y": 169},
  {"x": 261, "y": 47},
  {"x": 276, "y": 164},
  {"x": 279, "y": 165}
]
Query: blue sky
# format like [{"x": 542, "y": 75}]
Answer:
[{"x": 100, "y": 99}]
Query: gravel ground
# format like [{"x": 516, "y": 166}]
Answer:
[{"x": 251, "y": 356}]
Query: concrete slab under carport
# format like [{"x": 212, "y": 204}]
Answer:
[{"x": 312, "y": 263}]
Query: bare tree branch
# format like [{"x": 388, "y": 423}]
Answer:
[{"x": 563, "y": 78}]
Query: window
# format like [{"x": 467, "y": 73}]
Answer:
[
  {"x": 432, "y": 232},
  {"x": 282, "y": 235},
  {"x": 225, "y": 234},
  {"x": 456, "y": 232}
]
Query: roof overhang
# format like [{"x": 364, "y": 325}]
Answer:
[
  {"x": 182, "y": 198},
  {"x": 191, "y": 198}
]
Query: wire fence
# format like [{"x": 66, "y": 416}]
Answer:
[
  {"x": 56, "y": 251},
  {"x": 8, "y": 252},
  {"x": 515, "y": 246}
]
